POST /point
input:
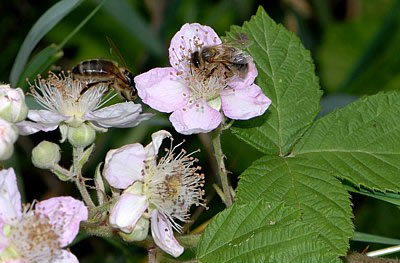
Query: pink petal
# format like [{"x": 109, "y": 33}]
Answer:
[
  {"x": 188, "y": 40},
  {"x": 238, "y": 82},
  {"x": 244, "y": 103},
  {"x": 65, "y": 214},
  {"x": 64, "y": 256},
  {"x": 127, "y": 211},
  {"x": 124, "y": 165},
  {"x": 120, "y": 115},
  {"x": 162, "y": 89},
  {"x": 197, "y": 117},
  {"x": 46, "y": 117},
  {"x": 28, "y": 127},
  {"x": 157, "y": 139},
  {"x": 163, "y": 235},
  {"x": 10, "y": 198}
]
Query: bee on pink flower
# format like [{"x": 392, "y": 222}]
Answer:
[{"x": 199, "y": 97}]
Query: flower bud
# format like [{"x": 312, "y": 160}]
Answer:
[
  {"x": 8, "y": 136},
  {"x": 46, "y": 155},
  {"x": 139, "y": 233},
  {"x": 82, "y": 136},
  {"x": 12, "y": 104}
]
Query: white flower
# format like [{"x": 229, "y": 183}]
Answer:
[
  {"x": 12, "y": 104},
  {"x": 8, "y": 136},
  {"x": 166, "y": 189},
  {"x": 37, "y": 234},
  {"x": 65, "y": 101}
]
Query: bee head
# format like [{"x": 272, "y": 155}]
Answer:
[
  {"x": 195, "y": 59},
  {"x": 129, "y": 77}
]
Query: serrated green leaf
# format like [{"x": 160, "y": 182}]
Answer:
[
  {"x": 45, "y": 23},
  {"x": 261, "y": 232},
  {"x": 286, "y": 75},
  {"x": 302, "y": 184},
  {"x": 360, "y": 143}
]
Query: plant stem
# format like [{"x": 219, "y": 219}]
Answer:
[
  {"x": 219, "y": 156},
  {"x": 152, "y": 255},
  {"x": 79, "y": 180}
]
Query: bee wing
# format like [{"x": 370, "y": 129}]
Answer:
[{"x": 113, "y": 48}]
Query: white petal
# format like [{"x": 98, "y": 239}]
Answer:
[
  {"x": 46, "y": 117},
  {"x": 10, "y": 198},
  {"x": 157, "y": 138},
  {"x": 163, "y": 235},
  {"x": 120, "y": 115},
  {"x": 28, "y": 127},
  {"x": 127, "y": 211},
  {"x": 64, "y": 256},
  {"x": 124, "y": 165}
]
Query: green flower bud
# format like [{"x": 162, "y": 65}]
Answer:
[
  {"x": 82, "y": 136},
  {"x": 12, "y": 104},
  {"x": 139, "y": 233},
  {"x": 46, "y": 155}
]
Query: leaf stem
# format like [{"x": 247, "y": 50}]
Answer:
[
  {"x": 79, "y": 180},
  {"x": 219, "y": 156}
]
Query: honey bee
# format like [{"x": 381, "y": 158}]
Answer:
[
  {"x": 233, "y": 60},
  {"x": 100, "y": 71}
]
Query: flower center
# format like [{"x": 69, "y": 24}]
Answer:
[
  {"x": 67, "y": 97},
  {"x": 34, "y": 238},
  {"x": 174, "y": 185}
]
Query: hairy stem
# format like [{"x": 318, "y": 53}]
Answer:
[
  {"x": 79, "y": 180},
  {"x": 219, "y": 156},
  {"x": 153, "y": 255}
]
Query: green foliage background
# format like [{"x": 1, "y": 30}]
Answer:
[{"x": 353, "y": 45}]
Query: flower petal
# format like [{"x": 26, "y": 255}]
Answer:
[
  {"x": 157, "y": 138},
  {"x": 124, "y": 165},
  {"x": 190, "y": 38},
  {"x": 65, "y": 214},
  {"x": 162, "y": 89},
  {"x": 45, "y": 117},
  {"x": 64, "y": 256},
  {"x": 120, "y": 115},
  {"x": 3, "y": 239},
  {"x": 163, "y": 235},
  {"x": 28, "y": 127},
  {"x": 244, "y": 103},
  {"x": 10, "y": 198},
  {"x": 198, "y": 117},
  {"x": 127, "y": 211},
  {"x": 238, "y": 82}
]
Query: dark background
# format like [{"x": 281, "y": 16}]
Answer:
[{"x": 354, "y": 44}]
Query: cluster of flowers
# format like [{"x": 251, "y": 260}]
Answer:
[{"x": 150, "y": 191}]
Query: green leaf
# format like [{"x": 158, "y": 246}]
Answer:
[
  {"x": 128, "y": 17},
  {"x": 360, "y": 143},
  {"x": 306, "y": 186},
  {"x": 39, "y": 63},
  {"x": 261, "y": 232},
  {"x": 45, "y": 23},
  {"x": 287, "y": 77}
]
